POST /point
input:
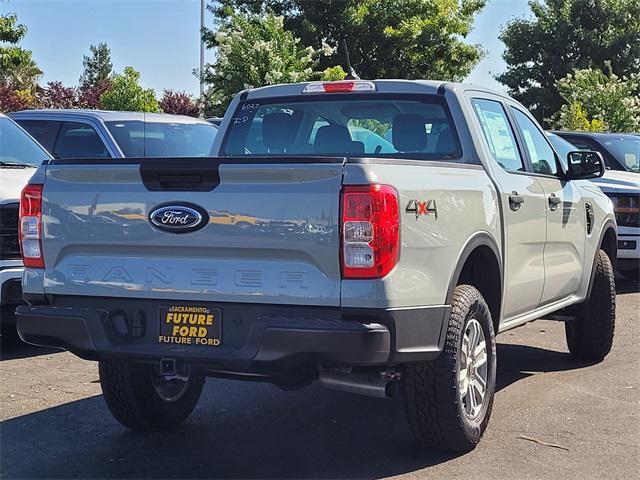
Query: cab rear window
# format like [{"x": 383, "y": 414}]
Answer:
[{"x": 350, "y": 125}]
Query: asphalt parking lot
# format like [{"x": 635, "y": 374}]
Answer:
[{"x": 554, "y": 417}]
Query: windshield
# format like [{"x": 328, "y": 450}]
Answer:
[
  {"x": 625, "y": 149},
  {"x": 369, "y": 125},
  {"x": 154, "y": 139},
  {"x": 17, "y": 147}
]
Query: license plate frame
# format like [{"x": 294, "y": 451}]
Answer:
[{"x": 190, "y": 325}]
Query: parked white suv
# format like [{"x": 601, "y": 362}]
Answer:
[
  {"x": 19, "y": 156},
  {"x": 620, "y": 182}
]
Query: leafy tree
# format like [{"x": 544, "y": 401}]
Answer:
[
  {"x": 15, "y": 100},
  {"x": 97, "y": 66},
  {"x": 56, "y": 95},
  {"x": 333, "y": 73},
  {"x": 127, "y": 94},
  {"x": 89, "y": 97},
  {"x": 386, "y": 38},
  {"x": 178, "y": 103},
  {"x": 18, "y": 70},
  {"x": 564, "y": 35},
  {"x": 253, "y": 50},
  {"x": 597, "y": 101}
]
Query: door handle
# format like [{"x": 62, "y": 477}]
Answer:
[
  {"x": 515, "y": 201},
  {"x": 554, "y": 201}
]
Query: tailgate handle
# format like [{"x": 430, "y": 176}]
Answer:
[{"x": 180, "y": 174}]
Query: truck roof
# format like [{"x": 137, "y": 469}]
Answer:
[
  {"x": 108, "y": 115},
  {"x": 382, "y": 86}
]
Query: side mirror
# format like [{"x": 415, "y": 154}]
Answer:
[{"x": 584, "y": 164}]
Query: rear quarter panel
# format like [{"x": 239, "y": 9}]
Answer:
[{"x": 466, "y": 204}]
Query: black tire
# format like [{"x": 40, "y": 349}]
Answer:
[
  {"x": 434, "y": 406},
  {"x": 590, "y": 334},
  {"x": 134, "y": 401}
]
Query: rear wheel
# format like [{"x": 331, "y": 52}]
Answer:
[
  {"x": 142, "y": 399},
  {"x": 590, "y": 334},
  {"x": 449, "y": 400}
]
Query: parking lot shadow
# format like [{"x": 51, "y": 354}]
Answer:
[
  {"x": 624, "y": 285},
  {"x": 12, "y": 348},
  {"x": 516, "y": 362},
  {"x": 241, "y": 430}
]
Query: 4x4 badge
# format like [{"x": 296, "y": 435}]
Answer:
[{"x": 419, "y": 208}]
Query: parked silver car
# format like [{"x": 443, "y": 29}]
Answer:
[{"x": 100, "y": 134}]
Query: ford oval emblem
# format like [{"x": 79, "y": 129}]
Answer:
[{"x": 178, "y": 217}]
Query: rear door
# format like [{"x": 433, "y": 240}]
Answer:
[
  {"x": 523, "y": 209},
  {"x": 566, "y": 216},
  {"x": 269, "y": 229}
]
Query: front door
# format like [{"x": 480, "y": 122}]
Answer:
[
  {"x": 523, "y": 205},
  {"x": 566, "y": 216}
]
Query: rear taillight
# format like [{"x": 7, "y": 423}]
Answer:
[
  {"x": 30, "y": 231},
  {"x": 370, "y": 230}
]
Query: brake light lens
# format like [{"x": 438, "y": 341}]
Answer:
[
  {"x": 340, "y": 87},
  {"x": 30, "y": 231},
  {"x": 370, "y": 231}
]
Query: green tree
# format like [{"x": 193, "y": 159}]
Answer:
[
  {"x": 96, "y": 66},
  {"x": 597, "y": 101},
  {"x": 386, "y": 38},
  {"x": 564, "y": 35},
  {"x": 253, "y": 50},
  {"x": 127, "y": 94},
  {"x": 18, "y": 70}
]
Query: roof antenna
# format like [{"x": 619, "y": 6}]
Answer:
[{"x": 351, "y": 73}]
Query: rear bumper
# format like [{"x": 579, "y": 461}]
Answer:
[{"x": 255, "y": 338}]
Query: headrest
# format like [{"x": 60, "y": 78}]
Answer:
[
  {"x": 408, "y": 133},
  {"x": 278, "y": 130},
  {"x": 333, "y": 139}
]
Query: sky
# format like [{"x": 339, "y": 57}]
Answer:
[{"x": 160, "y": 38}]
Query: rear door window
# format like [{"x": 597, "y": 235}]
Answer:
[
  {"x": 371, "y": 125},
  {"x": 79, "y": 140},
  {"x": 44, "y": 131},
  {"x": 138, "y": 138},
  {"x": 498, "y": 134}
]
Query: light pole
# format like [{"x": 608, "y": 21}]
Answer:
[{"x": 201, "y": 58}]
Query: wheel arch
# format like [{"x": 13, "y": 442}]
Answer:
[
  {"x": 609, "y": 243},
  {"x": 479, "y": 261}
]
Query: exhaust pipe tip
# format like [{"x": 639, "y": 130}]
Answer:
[
  {"x": 368, "y": 384},
  {"x": 391, "y": 388}
]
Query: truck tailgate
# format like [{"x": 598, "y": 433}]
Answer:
[{"x": 272, "y": 234}]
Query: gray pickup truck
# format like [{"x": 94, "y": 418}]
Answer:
[{"x": 371, "y": 235}]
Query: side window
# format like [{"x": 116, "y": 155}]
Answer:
[
  {"x": 498, "y": 134},
  {"x": 43, "y": 131},
  {"x": 35, "y": 128},
  {"x": 540, "y": 152},
  {"x": 79, "y": 140}
]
